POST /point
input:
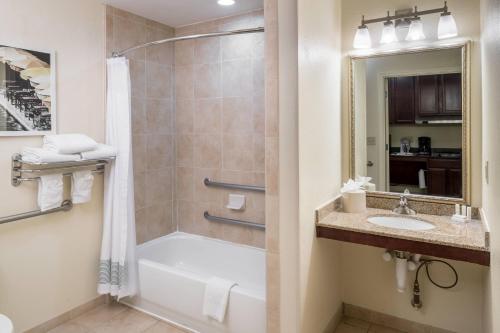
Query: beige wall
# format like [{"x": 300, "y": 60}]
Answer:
[
  {"x": 490, "y": 12},
  {"x": 364, "y": 273},
  {"x": 319, "y": 157},
  {"x": 151, "y": 71},
  {"x": 219, "y": 111},
  {"x": 48, "y": 265}
]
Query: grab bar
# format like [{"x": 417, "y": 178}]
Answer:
[
  {"x": 209, "y": 182},
  {"x": 65, "y": 206},
  {"x": 233, "y": 221}
]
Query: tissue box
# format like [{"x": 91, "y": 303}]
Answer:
[{"x": 354, "y": 201}]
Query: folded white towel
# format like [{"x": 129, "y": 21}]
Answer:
[
  {"x": 39, "y": 155},
  {"x": 68, "y": 143},
  {"x": 81, "y": 186},
  {"x": 216, "y": 298},
  {"x": 102, "y": 151},
  {"x": 50, "y": 191}
]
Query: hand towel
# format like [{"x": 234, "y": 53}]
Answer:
[
  {"x": 68, "y": 143},
  {"x": 39, "y": 155},
  {"x": 81, "y": 186},
  {"x": 102, "y": 151},
  {"x": 50, "y": 191},
  {"x": 216, "y": 298}
]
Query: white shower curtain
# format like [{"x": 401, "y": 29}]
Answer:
[{"x": 118, "y": 268}]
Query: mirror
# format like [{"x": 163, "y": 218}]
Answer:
[{"x": 409, "y": 122}]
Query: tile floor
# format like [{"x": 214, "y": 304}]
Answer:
[
  {"x": 352, "y": 325},
  {"x": 115, "y": 318}
]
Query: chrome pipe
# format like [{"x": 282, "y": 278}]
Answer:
[
  {"x": 65, "y": 206},
  {"x": 254, "y": 188},
  {"x": 181, "y": 38},
  {"x": 233, "y": 221}
]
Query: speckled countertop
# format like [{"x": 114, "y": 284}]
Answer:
[{"x": 469, "y": 235}]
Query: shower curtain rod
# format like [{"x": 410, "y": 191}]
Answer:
[{"x": 176, "y": 39}]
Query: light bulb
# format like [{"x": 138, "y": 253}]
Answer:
[
  {"x": 416, "y": 30},
  {"x": 225, "y": 2},
  {"x": 362, "y": 38},
  {"x": 388, "y": 33},
  {"x": 447, "y": 27}
]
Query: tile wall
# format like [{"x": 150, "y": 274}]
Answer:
[
  {"x": 152, "y": 78},
  {"x": 220, "y": 124}
]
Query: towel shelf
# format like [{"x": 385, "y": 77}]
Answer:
[
  {"x": 20, "y": 168},
  {"x": 233, "y": 221},
  {"x": 209, "y": 182},
  {"x": 65, "y": 206}
]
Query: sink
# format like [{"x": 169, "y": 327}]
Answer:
[{"x": 401, "y": 222}]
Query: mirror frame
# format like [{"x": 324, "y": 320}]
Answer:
[{"x": 466, "y": 124}]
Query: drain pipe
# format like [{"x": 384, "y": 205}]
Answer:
[{"x": 404, "y": 262}]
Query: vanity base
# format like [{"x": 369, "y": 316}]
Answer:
[{"x": 391, "y": 243}]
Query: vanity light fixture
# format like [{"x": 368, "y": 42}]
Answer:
[
  {"x": 225, "y": 2},
  {"x": 416, "y": 30},
  {"x": 362, "y": 39},
  {"x": 388, "y": 32},
  {"x": 447, "y": 27}
]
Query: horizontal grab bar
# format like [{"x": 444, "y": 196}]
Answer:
[
  {"x": 65, "y": 206},
  {"x": 254, "y": 188},
  {"x": 233, "y": 221}
]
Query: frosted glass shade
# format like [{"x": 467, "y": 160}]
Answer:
[
  {"x": 447, "y": 27},
  {"x": 388, "y": 34},
  {"x": 362, "y": 38},
  {"x": 416, "y": 31}
]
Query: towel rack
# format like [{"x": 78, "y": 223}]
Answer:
[
  {"x": 209, "y": 182},
  {"x": 233, "y": 221},
  {"x": 65, "y": 206},
  {"x": 20, "y": 168}
]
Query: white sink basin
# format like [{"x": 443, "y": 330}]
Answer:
[{"x": 401, "y": 222}]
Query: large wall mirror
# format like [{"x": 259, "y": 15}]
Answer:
[{"x": 409, "y": 122}]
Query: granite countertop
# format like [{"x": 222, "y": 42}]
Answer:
[{"x": 469, "y": 235}]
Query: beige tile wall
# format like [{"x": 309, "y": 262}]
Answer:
[
  {"x": 152, "y": 83},
  {"x": 219, "y": 128}
]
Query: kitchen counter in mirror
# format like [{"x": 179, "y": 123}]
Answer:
[{"x": 458, "y": 241}]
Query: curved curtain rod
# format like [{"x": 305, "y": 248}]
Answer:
[{"x": 175, "y": 39}]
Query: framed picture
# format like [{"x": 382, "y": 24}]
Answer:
[{"x": 27, "y": 92}]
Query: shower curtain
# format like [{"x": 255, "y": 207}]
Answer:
[{"x": 118, "y": 268}]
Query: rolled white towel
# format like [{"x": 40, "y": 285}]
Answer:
[
  {"x": 102, "y": 151},
  {"x": 39, "y": 155},
  {"x": 68, "y": 143}
]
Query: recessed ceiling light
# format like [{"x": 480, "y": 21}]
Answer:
[{"x": 225, "y": 2}]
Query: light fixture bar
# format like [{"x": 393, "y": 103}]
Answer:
[{"x": 409, "y": 15}]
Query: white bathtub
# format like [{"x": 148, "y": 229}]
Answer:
[{"x": 173, "y": 271}]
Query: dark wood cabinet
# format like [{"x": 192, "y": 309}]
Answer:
[
  {"x": 451, "y": 85},
  {"x": 402, "y": 100},
  {"x": 427, "y": 95},
  {"x": 424, "y": 97},
  {"x": 444, "y": 177}
]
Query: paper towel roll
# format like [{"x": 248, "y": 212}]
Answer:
[
  {"x": 354, "y": 202},
  {"x": 421, "y": 179}
]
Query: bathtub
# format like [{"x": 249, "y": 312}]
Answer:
[{"x": 173, "y": 271}]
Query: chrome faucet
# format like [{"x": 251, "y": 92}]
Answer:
[{"x": 403, "y": 208}]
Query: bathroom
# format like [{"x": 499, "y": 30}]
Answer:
[{"x": 242, "y": 123}]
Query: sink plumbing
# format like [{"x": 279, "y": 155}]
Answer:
[{"x": 405, "y": 261}]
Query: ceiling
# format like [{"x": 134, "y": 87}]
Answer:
[{"x": 177, "y": 13}]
